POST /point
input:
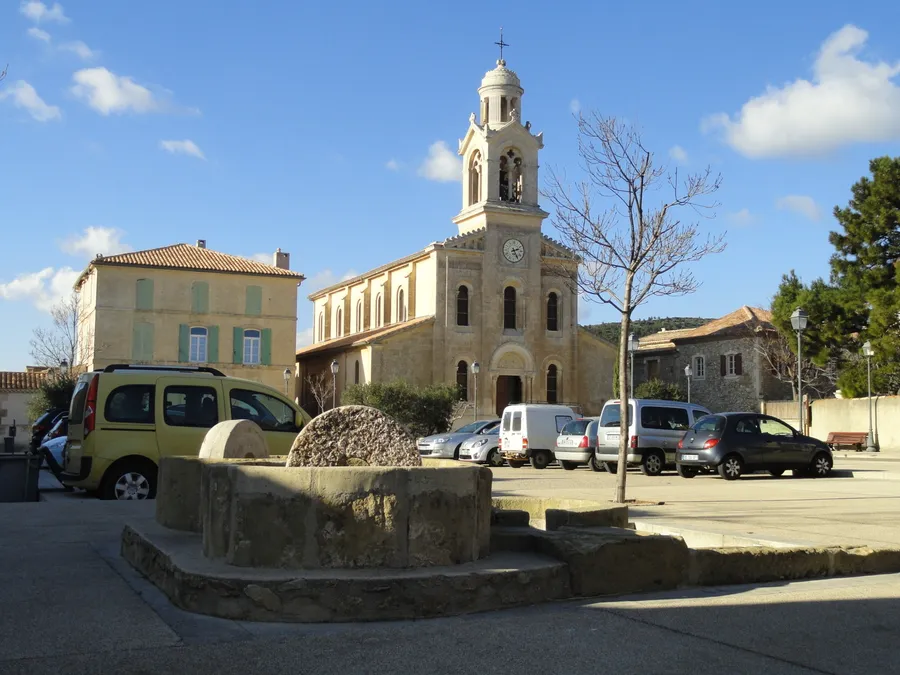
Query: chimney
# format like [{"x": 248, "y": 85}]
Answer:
[
  {"x": 282, "y": 260},
  {"x": 201, "y": 243}
]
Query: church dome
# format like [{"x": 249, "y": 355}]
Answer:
[{"x": 500, "y": 76}]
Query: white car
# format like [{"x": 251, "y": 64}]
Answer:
[
  {"x": 55, "y": 447},
  {"x": 483, "y": 449}
]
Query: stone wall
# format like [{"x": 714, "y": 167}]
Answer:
[
  {"x": 596, "y": 363},
  {"x": 834, "y": 414}
]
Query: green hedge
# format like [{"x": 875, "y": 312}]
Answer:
[{"x": 423, "y": 410}]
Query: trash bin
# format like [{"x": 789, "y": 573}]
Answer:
[
  {"x": 19, "y": 474},
  {"x": 9, "y": 444}
]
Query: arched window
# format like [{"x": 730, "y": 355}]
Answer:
[
  {"x": 504, "y": 110},
  {"x": 359, "y": 316},
  {"x": 199, "y": 336},
  {"x": 462, "y": 380},
  {"x": 251, "y": 346},
  {"x": 462, "y": 306},
  {"x": 379, "y": 317},
  {"x": 356, "y": 372},
  {"x": 511, "y": 176},
  {"x": 475, "y": 178},
  {"x": 553, "y": 312},
  {"x": 552, "y": 384},
  {"x": 401, "y": 307},
  {"x": 509, "y": 308},
  {"x": 321, "y": 326},
  {"x": 339, "y": 322}
]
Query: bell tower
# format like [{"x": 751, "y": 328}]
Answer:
[{"x": 500, "y": 157}]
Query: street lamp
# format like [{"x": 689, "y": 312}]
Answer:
[
  {"x": 799, "y": 319},
  {"x": 334, "y": 371},
  {"x": 287, "y": 379},
  {"x": 633, "y": 344},
  {"x": 868, "y": 352},
  {"x": 476, "y": 368},
  {"x": 688, "y": 373}
]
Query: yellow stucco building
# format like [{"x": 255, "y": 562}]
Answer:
[
  {"x": 495, "y": 293},
  {"x": 187, "y": 304}
]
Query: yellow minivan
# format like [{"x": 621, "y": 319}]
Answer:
[{"x": 125, "y": 417}]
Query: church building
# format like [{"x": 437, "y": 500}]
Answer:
[{"x": 494, "y": 294}]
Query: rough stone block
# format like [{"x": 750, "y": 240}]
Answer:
[
  {"x": 866, "y": 560},
  {"x": 354, "y": 435},
  {"x": 234, "y": 439},
  {"x": 505, "y": 518},
  {"x": 721, "y": 566},
  {"x": 178, "y": 493},
  {"x": 586, "y": 516}
]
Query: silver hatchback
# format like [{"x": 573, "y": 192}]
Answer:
[
  {"x": 576, "y": 444},
  {"x": 447, "y": 445}
]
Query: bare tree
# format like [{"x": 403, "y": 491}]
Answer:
[
  {"x": 322, "y": 388},
  {"x": 3, "y": 73},
  {"x": 460, "y": 410},
  {"x": 629, "y": 250},
  {"x": 781, "y": 361},
  {"x": 51, "y": 346}
]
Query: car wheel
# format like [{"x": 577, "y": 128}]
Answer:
[
  {"x": 776, "y": 473},
  {"x": 687, "y": 471},
  {"x": 456, "y": 452},
  {"x": 731, "y": 467},
  {"x": 652, "y": 464},
  {"x": 494, "y": 458},
  {"x": 129, "y": 480},
  {"x": 514, "y": 464},
  {"x": 568, "y": 466},
  {"x": 594, "y": 464},
  {"x": 611, "y": 467},
  {"x": 821, "y": 465},
  {"x": 540, "y": 459}
]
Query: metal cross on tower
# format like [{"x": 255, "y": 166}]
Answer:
[{"x": 501, "y": 44}]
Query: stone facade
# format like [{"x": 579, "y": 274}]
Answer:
[
  {"x": 494, "y": 294},
  {"x": 729, "y": 371}
]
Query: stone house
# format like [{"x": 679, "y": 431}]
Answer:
[
  {"x": 185, "y": 304},
  {"x": 729, "y": 369},
  {"x": 494, "y": 293},
  {"x": 16, "y": 389}
]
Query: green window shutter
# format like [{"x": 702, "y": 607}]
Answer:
[
  {"x": 200, "y": 297},
  {"x": 184, "y": 342},
  {"x": 238, "y": 350},
  {"x": 254, "y": 301},
  {"x": 212, "y": 345},
  {"x": 266, "y": 347},
  {"x": 144, "y": 298}
]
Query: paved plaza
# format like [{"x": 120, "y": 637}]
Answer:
[{"x": 71, "y": 605}]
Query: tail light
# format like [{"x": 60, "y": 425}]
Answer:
[
  {"x": 584, "y": 442},
  {"x": 90, "y": 407},
  {"x": 499, "y": 443},
  {"x": 710, "y": 443},
  {"x": 633, "y": 444},
  {"x": 681, "y": 444},
  {"x": 524, "y": 443}
]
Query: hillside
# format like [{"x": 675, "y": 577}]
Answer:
[{"x": 641, "y": 327}]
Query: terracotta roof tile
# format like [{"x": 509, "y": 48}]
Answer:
[
  {"x": 21, "y": 381},
  {"x": 744, "y": 319},
  {"x": 364, "y": 338},
  {"x": 188, "y": 257}
]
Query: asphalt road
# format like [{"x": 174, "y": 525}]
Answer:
[{"x": 69, "y": 604}]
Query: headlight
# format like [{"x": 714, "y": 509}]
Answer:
[
  {"x": 439, "y": 440},
  {"x": 481, "y": 442}
]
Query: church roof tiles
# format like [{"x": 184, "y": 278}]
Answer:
[
  {"x": 364, "y": 338},
  {"x": 737, "y": 323}
]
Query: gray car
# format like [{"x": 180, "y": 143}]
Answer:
[{"x": 447, "y": 445}]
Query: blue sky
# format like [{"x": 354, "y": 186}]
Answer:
[{"x": 309, "y": 126}]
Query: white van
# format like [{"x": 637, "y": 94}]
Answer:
[
  {"x": 529, "y": 431},
  {"x": 654, "y": 429}
]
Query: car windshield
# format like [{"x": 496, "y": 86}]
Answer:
[
  {"x": 610, "y": 417},
  {"x": 710, "y": 423},
  {"x": 493, "y": 431},
  {"x": 470, "y": 428},
  {"x": 575, "y": 428}
]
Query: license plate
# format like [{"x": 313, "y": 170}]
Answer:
[
  {"x": 612, "y": 437},
  {"x": 690, "y": 458}
]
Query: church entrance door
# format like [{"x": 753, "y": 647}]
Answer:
[{"x": 509, "y": 390}]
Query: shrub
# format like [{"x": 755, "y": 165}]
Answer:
[
  {"x": 55, "y": 392},
  {"x": 657, "y": 389},
  {"x": 423, "y": 410}
]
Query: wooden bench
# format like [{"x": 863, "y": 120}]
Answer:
[{"x": 847, "y": 439}]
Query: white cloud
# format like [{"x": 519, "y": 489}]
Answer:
[
  {"x": 442, "y": 164},
  {"x": 304, "y": 338},
  {"x": 38, "y": 11},
  {"x": 80, "y": 49},
  {"x": 324, "y": 279},
  {"x": 185, "y": 147},
  {"x": 44, "y": 289},
  {"x": 39, "y": 34},
  {"x": 265, "y": 258},
  {"x": 802, "y": 204},
  {"x": 679, "y": 154},
  {"x": 575, "y": 106},
  {"x": 106, "y": 92},
  {"x": 94, "y": 240},
  {"x": 392, "y": 165},
  {"x": 742, "y": 217},
  {"x": 848, "y": 100},
  {"x": 24, "y": 96}
]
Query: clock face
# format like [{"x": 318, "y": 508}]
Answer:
[{"x": 513, "y": 250}]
